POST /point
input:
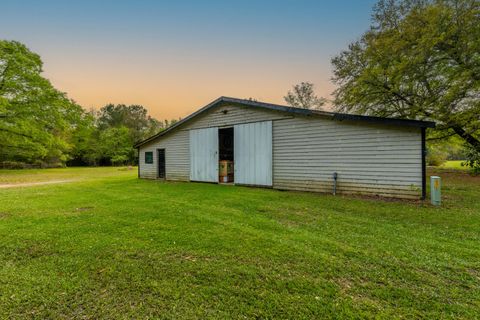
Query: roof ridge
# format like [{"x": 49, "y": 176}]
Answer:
[{"x": 283, "y": 108}]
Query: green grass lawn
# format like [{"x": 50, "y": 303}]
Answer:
[
  {"x": 62, "y": 174},
  {"x": 454, "y": 164},
  {"x": 108, "y": 245}
]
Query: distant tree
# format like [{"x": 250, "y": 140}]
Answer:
[
  {"x": 303, "y": 96},
  {"x": 133, "y": 117},
  {"x": 173, "y": 121},
  {"x": 36, "y": 120},
  {"x": 154, "y": 126},
  {"x": 419, "y": 60},
  {"x": 116, "y": 144},
  {"x": 120, "y": 127},
  {"x": 85, "y": 141},
  {"x": 168, "y": 123}
]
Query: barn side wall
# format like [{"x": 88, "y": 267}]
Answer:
[
  {"x": 177, "y": 163},
  {"x": 369, "y": 158}
]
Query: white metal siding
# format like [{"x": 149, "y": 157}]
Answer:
[
  {"x": 204, "y": 155},
  {"x": 369, "y": 159},
  {"x": 253, "y": 153},
  {"x": 177, "y": 165},
  {"x": 176, "y": 143},
  {"x": 230, "y": 115}
]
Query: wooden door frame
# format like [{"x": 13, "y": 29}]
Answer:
[{"x": 164, "y": 163}]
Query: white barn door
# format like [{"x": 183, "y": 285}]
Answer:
[
  {"x": 253, "y": 153},
  {"x": 204, "y": 155}
]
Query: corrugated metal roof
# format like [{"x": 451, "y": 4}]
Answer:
[{"x": 306, "y": 112}]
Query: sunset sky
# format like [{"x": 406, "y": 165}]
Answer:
[{"x": 173, "y": 57}]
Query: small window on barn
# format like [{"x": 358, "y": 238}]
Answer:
[{"x": 149, "y": 157}]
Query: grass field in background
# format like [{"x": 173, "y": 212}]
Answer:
[
  {"x": 454, "y": 164},
  {"x": 107, "y": 245},
  {"x": 78, "y": 173}
]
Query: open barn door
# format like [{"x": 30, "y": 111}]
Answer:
[
  {"x": 204, "y": 155},
  {"x": 253, "y": 153}
]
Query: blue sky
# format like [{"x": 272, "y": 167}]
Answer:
[{"x": 175, "y": 56}]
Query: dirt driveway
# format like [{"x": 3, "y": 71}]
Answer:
[{"x": 31, "y": 184}]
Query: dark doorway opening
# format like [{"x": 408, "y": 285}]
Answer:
[
  {"x": 225, "y": 141},
  {"x": 161, "y": 163},
  {"x": 225, "y": 155}
]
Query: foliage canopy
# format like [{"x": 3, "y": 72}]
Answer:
[
  {"x": 420, "y": 59},
  {"x": 35, "y": 118},
  {"x": 41, "y": 125}
]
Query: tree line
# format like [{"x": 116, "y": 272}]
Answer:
[
  {"x": 107, "y": 136},
  {"x": 420, "y": 59},
  {"x": 41, "y": 127}
]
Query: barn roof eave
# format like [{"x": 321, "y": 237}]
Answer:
[{"x": 305, "y": 112}]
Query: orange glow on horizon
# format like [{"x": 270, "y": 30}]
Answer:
[
  {"x": 174, "y": 57},
  {"x": 172, "y": 95}
]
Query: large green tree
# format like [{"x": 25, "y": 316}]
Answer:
[
  {"x": 39, "y": 124},
  {"x": 420, "y": 59},
  {"x": 36, "y": 120}
]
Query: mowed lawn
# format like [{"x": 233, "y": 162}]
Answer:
[
  {"x": 454, "y": 164},
  {"x": 107, "y": 245}
]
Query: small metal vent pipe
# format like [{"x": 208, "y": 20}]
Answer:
[{"x": 335, "y": 175}]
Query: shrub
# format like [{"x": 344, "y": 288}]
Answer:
[
  {"x": 13, "y": 165},
  {"x": 37, "y": 164},
  {"x": 472, "y": 157},
  {"x": 436, "y": 156}
]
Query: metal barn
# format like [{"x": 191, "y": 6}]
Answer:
[{"x": 252, "y": 143}]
